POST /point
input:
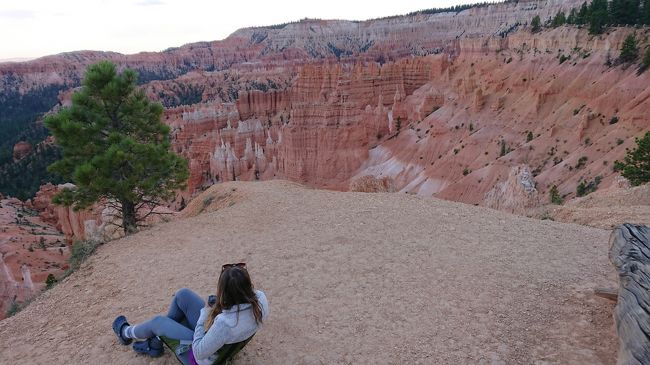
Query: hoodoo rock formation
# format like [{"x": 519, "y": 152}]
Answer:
[{"x": 31, "y": 248}]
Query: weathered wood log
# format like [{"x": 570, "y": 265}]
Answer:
[
  {"x": 630, "y": 254},
  {"x": 607, "y": 293}
]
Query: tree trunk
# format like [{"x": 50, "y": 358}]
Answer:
[
  {"x": 630, "y": 254},
  {"x": 128, "y": 217}
]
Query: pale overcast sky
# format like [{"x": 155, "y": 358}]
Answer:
[{"x": 34, "y": 28}]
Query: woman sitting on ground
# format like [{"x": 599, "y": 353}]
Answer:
[{"x": 237, "y": 315}]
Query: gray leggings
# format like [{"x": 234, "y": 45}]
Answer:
[{"x": 179, "y": 323}]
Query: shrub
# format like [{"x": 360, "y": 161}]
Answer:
[
  {"x": 466, "y": 171},
  {"x": 636, "y": 166},
  {"x": 554, "y": 195},
  {"x": 504, "y": 149},
  {"x": 529, "y": 137},
  {"x": 564, "y": 58},
  {"x": 13, "y": 309},
  {"x": 582, "y": 161},
  {"x": 536, "y": 24},
  {"x": 585, "y": 188},
  {"x": 81, "y": 250},
  {"x": 50, "y": 281},
  {"x": 614, "y": 120}
]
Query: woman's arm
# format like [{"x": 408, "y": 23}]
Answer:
[{"x": 204, "y": 344}]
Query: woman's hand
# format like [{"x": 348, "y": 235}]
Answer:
[{"x": 212, "y": 300}]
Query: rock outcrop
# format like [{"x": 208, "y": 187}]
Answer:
[
  {"x": 21, "y": 150},
  {"x": 517, "y": 194},
  {"x": 66, "y": 220}
]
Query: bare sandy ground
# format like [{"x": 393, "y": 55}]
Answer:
[{"x": 352, "y": 278}]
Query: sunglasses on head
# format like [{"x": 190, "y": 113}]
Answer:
[{"x": 228, "y": 266}]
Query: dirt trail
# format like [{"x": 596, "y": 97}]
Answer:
[{"x": 352, "y": 278}]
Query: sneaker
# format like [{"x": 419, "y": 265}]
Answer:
[
  {"x": 118, "y": 324},
  {"x": 152, "y": 347}
]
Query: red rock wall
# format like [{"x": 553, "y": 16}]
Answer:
[{"x": 64, "y": 219}]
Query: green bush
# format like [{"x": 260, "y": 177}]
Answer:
[
  {"x": 555, "y": 196},
  {"x": 636, "y": 166},
  {"x": 50, "y": 281},
  {"x": 81, "y": 250},
  {"x": 564, "y": 58},
  {"x": 13, "y": 309},
  {"x": 504, "y": 149},
  {"x": 536, "y": 24},
  {"x": 582, "y": 161},
  {"x": 585, "y": 187}
]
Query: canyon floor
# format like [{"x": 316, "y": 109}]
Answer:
[{"x": 352, "y": 278}]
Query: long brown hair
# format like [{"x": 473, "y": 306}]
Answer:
[{"x": 234, "y": 287}]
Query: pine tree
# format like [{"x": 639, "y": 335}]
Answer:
[
  {"x": 536, "y": 24},
  {"x": 115, "y": 149},
  {"x": 645, "y": 16},
  {"x": 598, "y": 16},
  {"x": 615, "y": 11},
  {"x": 559, "y": 19},
  {"x": 631, "y": 12},
  {"x": 573, "y": 17},
  {"x": 636, "y": 166},
  {"x": 629, "y": 49},
  {"x": 583, "y": 14},
  {"x": 624, "y": 12}
]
